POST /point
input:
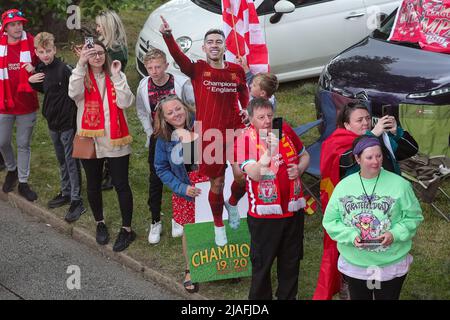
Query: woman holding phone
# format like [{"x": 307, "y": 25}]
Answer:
[
  {"x": 337, "y": 162},
  {"x": 373, "y": 215},
  {"x": 112, "y": 34},
  {"x": 101, "y": 93}
]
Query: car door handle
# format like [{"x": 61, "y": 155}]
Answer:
[{"x": 355, "y": 15}]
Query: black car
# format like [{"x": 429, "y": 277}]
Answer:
[{"x": 387, "y": 73}]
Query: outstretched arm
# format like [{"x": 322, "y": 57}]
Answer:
[{"x": 186, "y": 65}]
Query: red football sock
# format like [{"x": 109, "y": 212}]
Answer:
[
  {"x": 237, "y": 192},
  {"x": 216, "y": 204}
]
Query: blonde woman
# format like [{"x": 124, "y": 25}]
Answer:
[
  {"x": 112, "y": 34},
  {"x": 175, "y": 164}
]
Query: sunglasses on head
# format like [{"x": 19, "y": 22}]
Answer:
[
  {"x": 167, "y": 98},
  {"x": 352, "y": 105},
  {"x": 15, "y": 14}
]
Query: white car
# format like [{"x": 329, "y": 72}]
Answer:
[{"x": 306, "y": 36}]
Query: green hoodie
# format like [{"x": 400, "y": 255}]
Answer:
[{"x": 394, "y": 208}]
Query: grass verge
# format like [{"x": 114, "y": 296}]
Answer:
[{"x": 428, "y": 278}]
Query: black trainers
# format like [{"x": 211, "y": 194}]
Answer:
[
  {"x": 102, "y": 235},
  {"x": 123, "y": 240},
  {"x": 75, "y": 211},
  {"x": 26, "y": 192},
  {"x": 58, "y": 201},
  {"x": 10, "y": 181}
]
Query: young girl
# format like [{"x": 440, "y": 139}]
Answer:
[
  {"x": 101, "y": 92},
  {"x": 112, "y": 34}
]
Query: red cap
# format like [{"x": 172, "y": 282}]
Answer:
[{"x": 12, "y": 15}]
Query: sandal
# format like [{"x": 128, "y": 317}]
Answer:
[{"x": 188, "y": 283}]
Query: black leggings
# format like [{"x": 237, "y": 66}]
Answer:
[
  {"x": 155, "y": 189},
  {"x": 389, "y": 290},
  {"x": 119, "y": 174}
]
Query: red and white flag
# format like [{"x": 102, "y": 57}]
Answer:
[
  {"x": 426, "y": 22},
  {"x": 244, "y": 36}
]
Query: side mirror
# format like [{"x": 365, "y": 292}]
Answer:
[{"x": 284, "y": 6}]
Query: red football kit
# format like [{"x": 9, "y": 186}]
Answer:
[{"x": 218, "y": 93}]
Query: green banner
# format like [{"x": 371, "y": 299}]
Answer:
[
  {"x": 429, "y": 126},
  {"x": 208, "y": 262}
]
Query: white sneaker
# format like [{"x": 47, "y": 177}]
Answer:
[
  {"x": 177, "y": 229},
  {"x": 155, "y": 233},
  {"x": 221, "y": 236},
  {"x": 234, "y": 220}
]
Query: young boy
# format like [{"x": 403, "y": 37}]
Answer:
[
  {"x": 264, "y": 85},
  {"x": 261, "y": 85},
  {"x": 151, "y": 90},
  {"x": 52, "y": 79}
]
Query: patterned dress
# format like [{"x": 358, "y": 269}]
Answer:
[{"x": 184, "y": 210}]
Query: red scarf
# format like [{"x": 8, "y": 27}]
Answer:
[
  {"x": 93, "y": 120},
  {"x": 333, "y": 147},
  {"x": 268, "y": 200},
  {"x": 6, "y": 96}
]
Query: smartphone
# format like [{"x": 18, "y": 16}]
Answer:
[
  {"x": 277, "y": 124},
  {"x": 89, "y": 41},
  {"x": 371, "y": 243},
  {"x": 387, "y": 110}
]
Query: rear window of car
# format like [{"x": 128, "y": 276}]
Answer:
[{"x": 214, "y": 6}]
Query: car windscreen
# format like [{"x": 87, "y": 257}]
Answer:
[
  {"x": 384, "y": 31},
  {"x": 214, "y": 6}
]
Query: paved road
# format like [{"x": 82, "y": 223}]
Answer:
[{"x": 34, "y": 260}]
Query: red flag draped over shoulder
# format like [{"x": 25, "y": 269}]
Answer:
[
  {"x": 333, "y": 147},
  {"x": 244, "y": 36}
]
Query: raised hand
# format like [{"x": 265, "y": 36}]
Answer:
[
  {"x": 393, "y": 125},
  {"x": 116, "y": 66},
  {"x": 383, "y": 125},
  {"x": 85, "y": 54},
  {"x": 242, "y": 61},
  {"x": 76, "y": 49},
  {"x": 165, "y": 28},
  {"x": 272, "y": 143}
]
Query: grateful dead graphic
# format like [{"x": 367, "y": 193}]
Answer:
[
  {"x": 372, "y": 218},
  {"x": 368, "y": 225}
]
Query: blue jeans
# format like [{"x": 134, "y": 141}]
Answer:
[{"x": 69, "y": 167}]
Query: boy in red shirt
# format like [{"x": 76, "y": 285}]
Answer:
[
  {"x": 18, "y": 101},
  {"x": 221, "y": 93}
]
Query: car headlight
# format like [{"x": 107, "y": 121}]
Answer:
[
  {"x": 433, "y": 93},
  {"x": 185, "y": 43}
]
